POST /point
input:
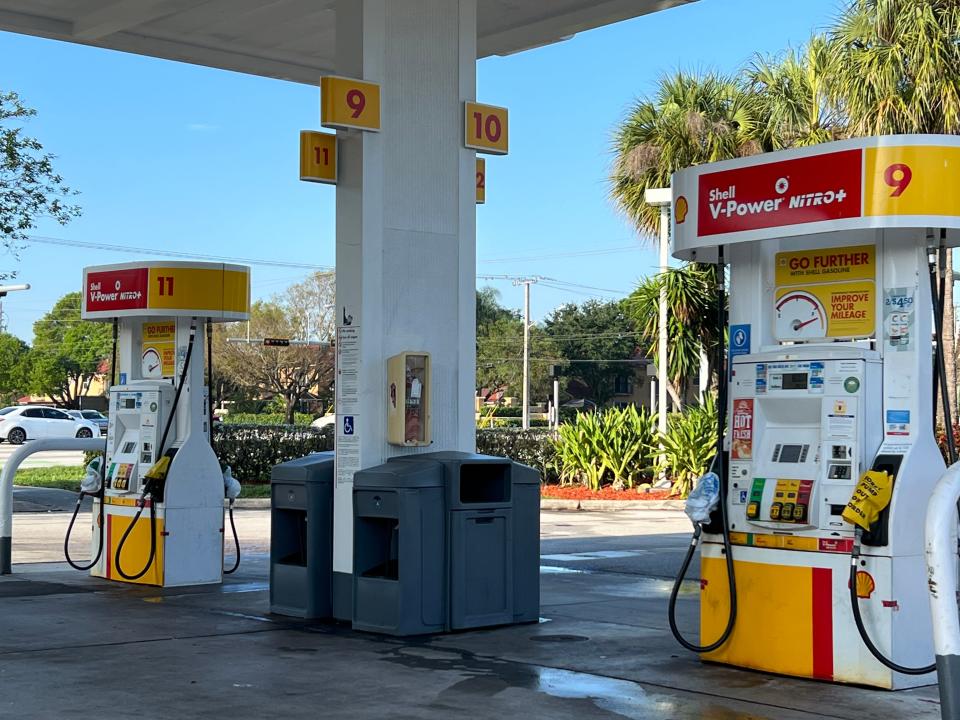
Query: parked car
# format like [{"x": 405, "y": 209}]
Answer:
[
  {"x": 94, "y": 416},
  {"x": 30, "y": 422}
]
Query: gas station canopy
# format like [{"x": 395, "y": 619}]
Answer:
[{"x": 286, "y": 39}]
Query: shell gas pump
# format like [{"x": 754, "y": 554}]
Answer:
[
  {"x": 158, "y": 513},
  {"x": 812, "y": 562}
]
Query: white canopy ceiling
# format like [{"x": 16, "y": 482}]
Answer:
[{"x": 286, "y": 39}]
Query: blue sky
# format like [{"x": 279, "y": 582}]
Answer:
[{"x": 184, "y": 158}]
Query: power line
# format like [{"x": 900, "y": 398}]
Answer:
[
  {"x": 173, "y": 253},
  {"x": 552, "y": 255}
]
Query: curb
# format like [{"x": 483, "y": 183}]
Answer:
[
  {"x": 242, "y": 503},
  {"x": 608, "y": 505}
]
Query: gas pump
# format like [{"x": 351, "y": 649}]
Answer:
[
  {"x": 158, "y": 518},
  {"x": 829, "y": 454}
]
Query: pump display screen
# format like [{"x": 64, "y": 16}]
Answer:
[
  {"x": 794, "y": 381},
  {"x": 790, "y": 453}
]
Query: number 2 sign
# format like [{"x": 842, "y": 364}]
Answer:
[
  {"x": 481, "y": 181},
  {"x": 318, "y": 157},
  {"x": 485, "y": 128},
  {"x": 349, "y": 103}
]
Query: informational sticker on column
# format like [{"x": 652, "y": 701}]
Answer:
[
  {"x": 898, "y": 318},
  {"x": 347, "y": 392},
  {"x": 347, "y": 449},
  {"x": 348, "y": 370}
]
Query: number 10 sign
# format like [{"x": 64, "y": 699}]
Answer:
[{"x": 485, "y": 128}]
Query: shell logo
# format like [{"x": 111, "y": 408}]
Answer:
[
  {"x": 681, "y": 209},
  {"x": 865, "y": 584}
]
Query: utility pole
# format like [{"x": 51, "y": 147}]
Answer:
[
  {"x": 526, "y": 282},
  {"x": 662, "y": 198}
]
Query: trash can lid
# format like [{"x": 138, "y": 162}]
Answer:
[
  {"x": 413, "y": 473},
  {"x": 312, "y": 468},
  {"x": 519, "y": 475}
]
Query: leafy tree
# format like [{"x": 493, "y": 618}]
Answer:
[
  {"x": 304, "y": 312},
  {"x": 68, "y": 352},
  {"x": 500, "y": 349},
  {"x": 596, "y": 340},
  {"x": 29, "y": 186},
  {"x": 14, "y": 368},
  {"x": 691, "y": 322}
]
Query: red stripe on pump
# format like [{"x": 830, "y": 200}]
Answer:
[{"x": 822, "y": 588}]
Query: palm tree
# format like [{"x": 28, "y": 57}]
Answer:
[
  {"x": 790, "y": 91},
  {"x": 897, "y": 70},
  {"x": 692, "y": 327},
  {"x": 690, "y": 119}
]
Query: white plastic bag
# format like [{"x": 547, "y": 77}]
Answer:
[
  {"x": 704, "y": 498},
  {"x": 94, "y": 478},
  {"x": 231, "y": 487}
]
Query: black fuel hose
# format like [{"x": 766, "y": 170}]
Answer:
[
  {"x": 236, "y": 542},
  {"x": 153, "y": 539},
  {"x": 66, "y": 540},
  {"x": 718, "y": 465},
  {"x": 857, "y": 617}
]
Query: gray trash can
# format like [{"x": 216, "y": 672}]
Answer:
[
  {"x": 301, "y": 536},
  {"x": 399, "y": 549},
  {"x": 487, "y": 548}
]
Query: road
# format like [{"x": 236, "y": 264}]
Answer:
[{"x": 44, "y": 459}]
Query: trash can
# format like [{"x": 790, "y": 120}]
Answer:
[
  {"x": 399, "y": 549},
  {"x": 485, "y": 543},
  {"x": 301, "y": 536}
]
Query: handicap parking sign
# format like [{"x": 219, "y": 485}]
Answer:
[{"x": 348, "y": 425}]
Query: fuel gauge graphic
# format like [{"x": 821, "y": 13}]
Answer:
[{"x": 800, "y": 315}]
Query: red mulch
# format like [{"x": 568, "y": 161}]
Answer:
[{"x": 578, "y": 492}]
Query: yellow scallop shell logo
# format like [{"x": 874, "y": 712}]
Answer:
[
  {"x": 865, "y": 584},
  {"x": 681, "y": 209}
]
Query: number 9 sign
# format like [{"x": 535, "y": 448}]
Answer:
[{"x": 349, "y": 103}]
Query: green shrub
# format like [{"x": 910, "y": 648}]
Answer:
[
  {"x": 611, "y": 446},
  {"x": 530, "y": 447},
  {"x": 689, "y": 445},
  {"x": 266, "y": 419},
  {"x": 252, "y": 450}
]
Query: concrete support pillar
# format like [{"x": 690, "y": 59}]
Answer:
[{"x": 406, "y": 230}]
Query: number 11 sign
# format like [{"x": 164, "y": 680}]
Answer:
[{"x": 318, "y": 157}]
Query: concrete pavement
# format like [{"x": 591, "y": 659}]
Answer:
[{"x": 74, "y": 646}]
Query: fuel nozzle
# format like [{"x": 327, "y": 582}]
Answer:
[{"x": 870, "y": 497}]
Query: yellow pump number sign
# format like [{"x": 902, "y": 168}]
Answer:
[
  {"x": 318, "y": 157},
  {"x": 481, "y": 181},
  {"x": 486, "y": 128},
  {"x": 349, "y": 103}
]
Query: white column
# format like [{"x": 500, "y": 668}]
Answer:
[
  {"x": 406, "y": 222},
  {"x": 662, "y": 360}
]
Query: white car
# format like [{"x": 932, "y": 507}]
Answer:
[{"x": 30, "y": 422}]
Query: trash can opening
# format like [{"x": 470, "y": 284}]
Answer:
[
  {"x": 377, "y": 556},
  {"x": 484, "y": 483}
]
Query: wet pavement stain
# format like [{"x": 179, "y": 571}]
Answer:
[{"x": 603, "y": 696}]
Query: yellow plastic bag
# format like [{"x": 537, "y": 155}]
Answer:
[{"x": 870, "y": 496}]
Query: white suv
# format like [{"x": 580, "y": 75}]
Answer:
[{"x": 30, "y": 422}]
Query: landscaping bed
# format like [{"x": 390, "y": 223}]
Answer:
[{"x": 578, "y": 492}]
